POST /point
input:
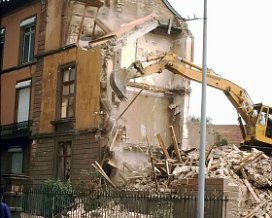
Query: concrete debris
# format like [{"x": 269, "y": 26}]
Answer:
[{"x": 250, "y": 171}]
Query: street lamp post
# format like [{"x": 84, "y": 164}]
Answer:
[{"x": 201, "y": 177}]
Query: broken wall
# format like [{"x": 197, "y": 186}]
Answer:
[
  {"x": 154, "y": 108},
  {"x": 164, "y": 101}
]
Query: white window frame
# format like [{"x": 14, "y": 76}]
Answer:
[
  {"x": 23, "y": 104},
  {"x": 28, "y": 40},
  {"x": 67, "y": 101}
]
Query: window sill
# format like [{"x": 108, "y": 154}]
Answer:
[{"x": 64, "y": 125}]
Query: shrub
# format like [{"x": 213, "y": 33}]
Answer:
[{"x": 57, "y": 196}]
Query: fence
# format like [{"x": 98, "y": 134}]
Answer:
[{"x": 118, "y": 204}]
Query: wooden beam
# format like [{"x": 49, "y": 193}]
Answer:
[
  {"x": 175, "y": 142},
  {"x": 253, "y": 211},
  {"x": 152, "y": 163},
  {"x": 81, "y": 23},
  {"x": 209, "y": 163},
  {"x": 163, "y": 147},
  {"x": 248, "y": 159},
  {"x": 114, "y": 139},
  {"x": 102, "y": 172},
  {"x": 208, "y": 153},
  {"x": 246, "y": 182}
]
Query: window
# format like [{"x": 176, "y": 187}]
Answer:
[
  {"x": 28, "y": 39},
  {"x": 68, "y": 92},
  {"x": 2, "y": 38},
  {"x": 263, "y": 117},
  {"x": 23, "y": 100},
  {"x": 64, "y": 161},
  {"x": 16, "y": 155},
  {"x": 269, "y": 125}
]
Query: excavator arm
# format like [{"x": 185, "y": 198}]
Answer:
[{"x": 236, "y": 95}]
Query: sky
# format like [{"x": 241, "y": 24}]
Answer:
[{"x": 239, "y": 48}]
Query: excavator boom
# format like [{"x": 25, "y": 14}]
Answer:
[
  {"x": 254, "y": 131},
  {"x": 237, "y": 95}
]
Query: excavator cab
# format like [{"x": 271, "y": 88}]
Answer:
[{"x": 262, "y": 121}]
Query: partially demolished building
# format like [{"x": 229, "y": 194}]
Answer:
[
  {"x": 60, "y": 114},
  {"x": 69, "y": 53}
]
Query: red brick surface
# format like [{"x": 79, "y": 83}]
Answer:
[{"x": 230, "y": 132}]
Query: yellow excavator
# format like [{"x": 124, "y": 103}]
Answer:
[{"x": 255, "y": 120}]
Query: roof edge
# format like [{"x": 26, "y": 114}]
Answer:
[{"x": 170, "y": 8}]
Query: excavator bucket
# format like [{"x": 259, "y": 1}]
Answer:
[{"x": 119, "y": 80}]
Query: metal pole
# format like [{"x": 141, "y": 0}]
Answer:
[{"x": 201, "y": 177}]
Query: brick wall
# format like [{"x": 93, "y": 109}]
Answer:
[
  {"x": 37, "y": 77},
  {"x": 214, "y": 188}
]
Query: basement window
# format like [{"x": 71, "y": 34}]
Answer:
[
  {"x": 28, "y": 39},
  {"x": 64, "y": 161}
]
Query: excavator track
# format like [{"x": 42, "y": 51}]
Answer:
[{"x": 266, "y": 149}]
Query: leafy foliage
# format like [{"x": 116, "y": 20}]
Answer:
[
  {"x": 57, "y": 196},
  {"x": 219, "y": 140},
  {"x": 56, "y": 186}
]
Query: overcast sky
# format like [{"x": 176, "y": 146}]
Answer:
[{"x": 239, "y": 48}]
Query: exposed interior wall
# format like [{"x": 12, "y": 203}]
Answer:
[
  {"x": 147, "y": 116},
  {"x": 163, "y": 102},
  {"x": 53, "y": 29},
  {"x": 152, "y": 105},
  {"x": 183, "y": 47},
  {"x": 83, "y": 21},
  {"x": 78, "y": 22},
  {"x": 150, "y": 110}
]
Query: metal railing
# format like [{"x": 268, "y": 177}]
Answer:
[
  {"x": 21, "y": 128},
  {"x": 120, "y": 204}
]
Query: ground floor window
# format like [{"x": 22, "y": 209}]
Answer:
[
  {"x": 16, "y": 160},
  {"x": 64, "y": 161}
]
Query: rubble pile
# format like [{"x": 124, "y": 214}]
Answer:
[{"x": 250, "y": 170}]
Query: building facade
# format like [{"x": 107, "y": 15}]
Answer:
[
  {"x": 19, "y": 40},
  {"x": 59, "y": 112}
]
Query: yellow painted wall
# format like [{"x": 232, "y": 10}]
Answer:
[
  {"x": 88, "y": 64},
  {"x": 87, "y": 88},
  {"x": 53, "y": 32}
]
